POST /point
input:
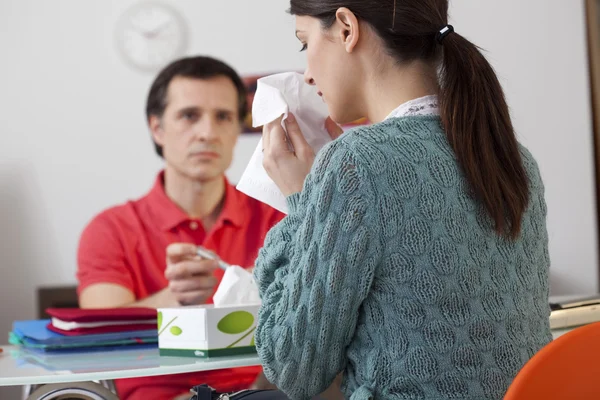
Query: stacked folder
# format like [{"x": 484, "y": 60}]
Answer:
[
  {"x": 87, "y": 330},
  {"x": 75, "y": 321},
  {"x": 128, "y": 357}
]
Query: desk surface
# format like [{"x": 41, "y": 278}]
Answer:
[{"x": 21, "y": 367}]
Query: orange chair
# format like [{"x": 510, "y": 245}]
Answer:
[{"x": 566, "y": 368}]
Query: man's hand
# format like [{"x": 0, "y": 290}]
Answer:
[{"x": 191, "y": 279}]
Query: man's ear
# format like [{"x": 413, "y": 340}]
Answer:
[
  {"x": 348, "y": 28},
  {"x": 158, "y": 134}
]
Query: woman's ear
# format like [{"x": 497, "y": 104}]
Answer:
[{"x": 349, "y": 28}]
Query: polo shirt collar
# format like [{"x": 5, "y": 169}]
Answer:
[{"x": 168, "y": 215}]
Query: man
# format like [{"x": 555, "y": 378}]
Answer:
[{"x": 142, "y": 253}]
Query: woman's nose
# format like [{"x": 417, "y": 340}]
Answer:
[{"x": 308, "y": 79}]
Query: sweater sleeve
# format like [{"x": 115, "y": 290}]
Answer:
[{"x": 314, "y": 272}]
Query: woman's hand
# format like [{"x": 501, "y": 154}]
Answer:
[
  {"x": 261, "y": 383},
  {"x": 288, "y": 163}
]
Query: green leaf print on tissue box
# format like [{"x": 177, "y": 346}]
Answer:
[
  {"x": 175, "y": 330},
  {"x": 207, "y": 331},
  {"x": 235, "y": 323}
]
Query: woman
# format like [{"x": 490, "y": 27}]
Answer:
[{"x": 414, "y": 260}]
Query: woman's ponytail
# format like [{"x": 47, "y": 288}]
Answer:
[{"x": 476, "y": 119}]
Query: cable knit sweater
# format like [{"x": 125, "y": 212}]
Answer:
[{"x": 387, "y": 269}]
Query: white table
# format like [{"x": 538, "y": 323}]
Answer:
[{"x": 20, "y": 367}]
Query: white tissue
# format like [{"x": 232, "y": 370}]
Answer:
[
  {"x": 276, "y": 95},
  {"x": 237, "y": 288}
]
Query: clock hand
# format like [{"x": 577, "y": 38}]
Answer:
[{"x": 150, "y": 34}]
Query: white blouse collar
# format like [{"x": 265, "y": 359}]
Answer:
[{"x": 427, "y": 105}]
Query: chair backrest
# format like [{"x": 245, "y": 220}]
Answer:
[
  {"x": 56, "y": 297},
  {"x": 566, "y": 368}
]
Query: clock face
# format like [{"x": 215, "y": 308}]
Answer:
[{"x": 150, "y": 34}]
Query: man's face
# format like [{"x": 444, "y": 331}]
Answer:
[{"x": 199, "y": 127}]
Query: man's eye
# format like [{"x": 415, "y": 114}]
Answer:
[
  {"x": 304, "y": 47},
  {"x": 190, "y": 115},
  {"x": 224, "y": 117}
]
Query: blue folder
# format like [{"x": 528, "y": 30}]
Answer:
[{"x": 35, "y": 334}]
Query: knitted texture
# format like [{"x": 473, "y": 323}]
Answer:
[{"x": 388, "y": 270}]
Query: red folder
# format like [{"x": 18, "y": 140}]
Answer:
[
  {"x": 77, "y": 321},
  {"x": 102, "y": 314},
  {"x": 101, "y": 329}
]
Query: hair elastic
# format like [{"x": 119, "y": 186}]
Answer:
[{"x": 445, "y": 31}]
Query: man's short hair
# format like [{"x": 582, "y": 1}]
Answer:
[{"x": 199, "y": 67}]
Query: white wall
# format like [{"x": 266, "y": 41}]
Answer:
[{"x": 75, "y": 140}]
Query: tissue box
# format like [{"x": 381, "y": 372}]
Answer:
[{"x": 207, "y": 331}]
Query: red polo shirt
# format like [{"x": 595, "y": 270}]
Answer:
[{"x": 126, "y": 245}]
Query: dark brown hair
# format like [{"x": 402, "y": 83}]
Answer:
[
  {"x": 474, "y": 112},
  {"x": 191, "y": 67}
]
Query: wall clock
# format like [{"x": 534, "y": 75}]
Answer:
[{"x": 151, "y": 34}]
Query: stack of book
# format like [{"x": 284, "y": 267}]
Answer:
[{"x": 73, "y": 329}]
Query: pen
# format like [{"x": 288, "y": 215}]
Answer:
[{"x": 202, "y": 252}]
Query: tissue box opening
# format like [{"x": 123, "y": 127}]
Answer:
[{"x": 207, "y": 331}]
